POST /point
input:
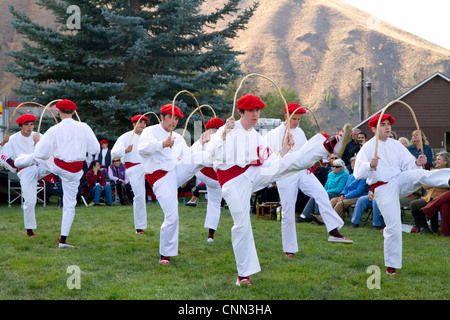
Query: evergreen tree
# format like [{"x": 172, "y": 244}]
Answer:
[{"x": 128, "y": 57}]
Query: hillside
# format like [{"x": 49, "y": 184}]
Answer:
[
  {"x": 316, "y": 46},
  {"x": 312, "y": 46}
]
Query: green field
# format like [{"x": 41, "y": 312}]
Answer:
[{"x": 117, "y": 264}]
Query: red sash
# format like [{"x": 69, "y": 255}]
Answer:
[
  {"x": 209, "y": 172},
  {"x": 376, "y": 185},
  {"x": 73, "y": 167},
  {"x": 226, "y": 175},
  {"x": 155, "y": 176},
  {"x": 128, "y": 165}
]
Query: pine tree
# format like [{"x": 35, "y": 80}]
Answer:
[{"x": 128, "y": 57}]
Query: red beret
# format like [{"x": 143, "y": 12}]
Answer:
[
  {"x": 292, "y": 107},
  {"x": 137, "y": 117},
  {"x": 25, "y": 118},
  {"x": 214, "y": 123},
  {"x": 374, "y": 121},
  {"x": 249, "y": 102},
  {"x": 103, "y": 141},
  {"x": 168, "y": 110},
  {"x": 66, "y": 104}
]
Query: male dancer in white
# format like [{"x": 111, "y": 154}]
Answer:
[
  {"x": 304, "y": 180},
  {"x": 65, "y": 146},
  {"x": 209, "y": 177},
  {"x": 244, "y": 164},
  {"x": 135, "y": 171},
  {"x": 23, "y": 142},
  {"x": 168, "y": 163},
  {"x": 393, "y": 174}
]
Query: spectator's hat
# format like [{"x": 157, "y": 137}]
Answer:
[
  {"x": 249, "y": 102},
  {"x": 66, "y": 104},
  {"x": 137, "y": 117},
  {"x": 167, "y": 109},
  {"x": 374, "y": 120},
  {"x": 103, "y": 141},
  {"x": 214, "y": 123},
  {"x": 25, "y": 118},
  {"x": 292, "y": 107}
]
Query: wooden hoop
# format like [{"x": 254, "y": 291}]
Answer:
[
  {"x": 379, "y": 121},
  {"x": 23, "y": 103},
  {"x": 262, "y": 76},
  {"x": 46, "y": 108},
  {"x": 173, "y": 108},
  {"x": 315, "y": 119},
  {"x": 187, "y": 120},
  {"x": 134, "y": 129}
]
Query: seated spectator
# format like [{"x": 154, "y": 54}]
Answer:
[
  {"x": 352, "y": 191},
  {"x": 393, "y": 135},
  {"x": 442, "y": 161},
  {"x": 362, "y": 205},
  {"x": 418, "y": 138},
  {"x": 196, "y": 193},
  {"x": 335, "y": 184},
  {"x": 404, "y": 141},
  {"x": 331, "y": 157},
  {"x": 117, "y": 174},
  {"x": 352, "y": 147},
  {"x": 96, "y": 181},
  {"x": 441, "y": 204},
  {"x": 321, "y": 174},
  {"x": 362, "y": 138}
]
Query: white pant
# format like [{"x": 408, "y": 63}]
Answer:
[
  {"x": 137, "y": 181},
  {"x": 28, "y": 184},
  {"x": 214, "y": 201},
  {"x": 387, "y": 197},
  {"x": 70, "y": 183},
  {"x": 237, "y": 193},
  {"x": 166, "y": 192},
  {"x": 310, "y": 186}
]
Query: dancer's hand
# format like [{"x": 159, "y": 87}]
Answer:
[
  {"x": 374, "y": 162},
  {"x": 169, "y": 142},
  {"x": 229, "y": 125},
  {"x": 421, "y": 160},
  {"x": 129, "y": 148}
]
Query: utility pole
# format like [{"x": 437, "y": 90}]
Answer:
[
  {"x": 369, "y": 98},
  {"x": 361, "y": 95}
]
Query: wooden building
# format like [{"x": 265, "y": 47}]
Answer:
[{"x": 430, "y": 100}]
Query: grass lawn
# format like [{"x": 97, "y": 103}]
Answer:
[{"x": 117, "y": 264}]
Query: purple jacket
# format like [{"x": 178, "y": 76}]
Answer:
[{"x": 116, "y": 173}]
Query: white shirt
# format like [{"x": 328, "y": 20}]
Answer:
[
  {"x": 275, "y": 138},
  {"x": 239, "y": 148},
  {"x": 68, "y": 140},
  {"x": 19, "y": 144},
  {"x": 154, "y": 156},
  {"x": 118, "y": 150},
  {"x": 394, "y": 158}
]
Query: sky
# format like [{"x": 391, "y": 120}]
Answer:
[{"x": 428, "y": 19}]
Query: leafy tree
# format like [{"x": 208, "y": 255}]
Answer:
[{"x": 128, "y": 57}]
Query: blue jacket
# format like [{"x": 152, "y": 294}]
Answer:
[
  {"x": 336, "y": 182},
  {"x": 354, "y": 188}
]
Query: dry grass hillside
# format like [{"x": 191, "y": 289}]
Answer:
[
  {"x": 316, "y": 46},
  {"x": 10, "y": 40},
  {"x": 312, "y": 46}
]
